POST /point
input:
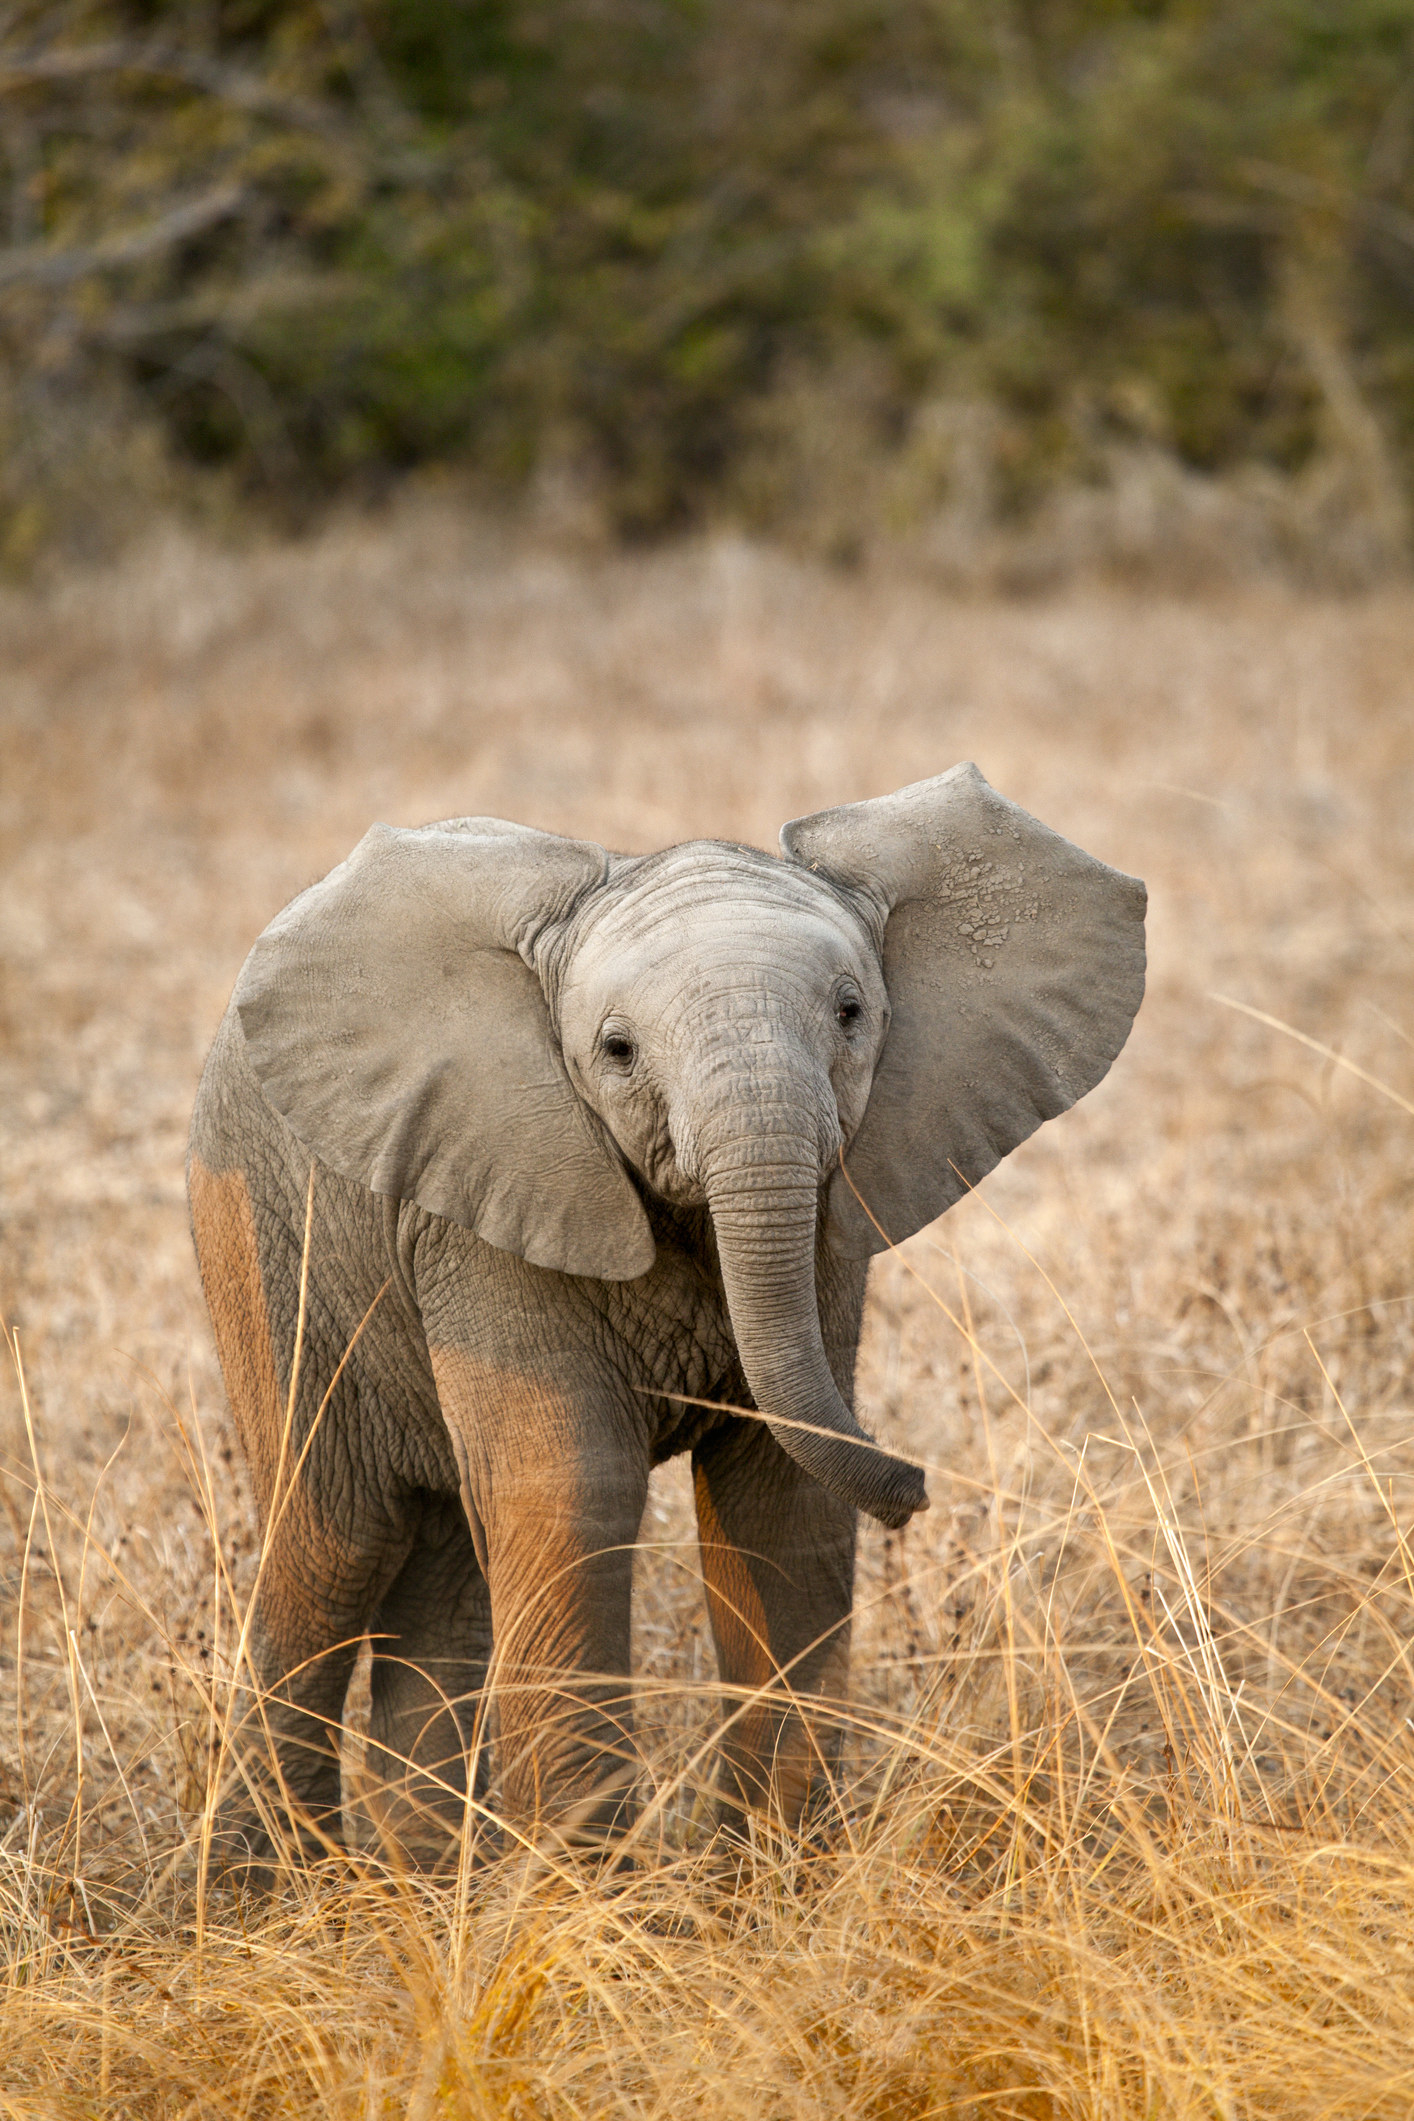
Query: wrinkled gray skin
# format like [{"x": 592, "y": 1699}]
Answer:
[{"x": 566, "y": 1129}]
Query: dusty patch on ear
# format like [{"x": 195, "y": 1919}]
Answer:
[
  {"x": 1014, "y": 964},
  {"x": 223, "y": 1225}
]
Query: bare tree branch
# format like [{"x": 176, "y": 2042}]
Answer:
[
  {"x": 81, "y": 62},
  {"x": 35, "y": 266},
  {"x": 1304, "y": 190}
]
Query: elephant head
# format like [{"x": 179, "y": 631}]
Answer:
[{"x": 522, "y": 1033}]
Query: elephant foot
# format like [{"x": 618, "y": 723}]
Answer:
[
  {"x": 242, "y": 1857},
  {"x": 412, "y": 1837},
  {"x": 776, "y": 1837},
  {"x": 255, "y": 1836},
  {"x": 592, "y": 1828},
  {"x": 416, "y": 1820}
]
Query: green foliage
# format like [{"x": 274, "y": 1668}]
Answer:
[{"x": 698, "y": 251}]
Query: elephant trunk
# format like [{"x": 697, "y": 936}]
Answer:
[{"x": 764, "y": 1201}]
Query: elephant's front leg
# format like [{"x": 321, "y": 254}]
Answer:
[
  {"x": 557, "y": 1478},
  {"x": 778, "y": 1563}
]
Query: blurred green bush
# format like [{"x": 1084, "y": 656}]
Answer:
[{"x": 848, "y": 268}]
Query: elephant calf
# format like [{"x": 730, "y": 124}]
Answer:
[{"x": 556, "y": 1136}]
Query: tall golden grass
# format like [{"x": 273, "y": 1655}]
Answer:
[{"x": 1127, "y": 1822}]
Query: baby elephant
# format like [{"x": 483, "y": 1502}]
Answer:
[{"x": 518, "y": 1167}]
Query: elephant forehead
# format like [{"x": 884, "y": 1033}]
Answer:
[
  {"x": 750, "y": 958},
  {"x": 712, "y": 897}
]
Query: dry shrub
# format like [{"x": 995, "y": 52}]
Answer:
[{"x": 1126, "y": 1823}]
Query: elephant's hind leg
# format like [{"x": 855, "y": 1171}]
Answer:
[
  {"x": 431, "y": 1646},
  {"x": 317, "y": 1589},
  {"x": 316, "y": 1581},
  {"x": 284, "y": 1795}
]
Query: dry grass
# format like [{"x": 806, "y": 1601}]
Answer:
[{"x": 1130, "y": 1825}]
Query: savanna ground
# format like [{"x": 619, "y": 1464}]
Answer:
[{"x": 1128, "y": 1828}]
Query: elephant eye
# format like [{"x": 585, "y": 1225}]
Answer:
[
  {"x": 617, "y": 1046},
  {"x": 849, "y": 1011}
]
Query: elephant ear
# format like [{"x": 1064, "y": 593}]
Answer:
[
  {"x": 395, "y": 1026},
  {"x": 1014, "y": 965}
]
